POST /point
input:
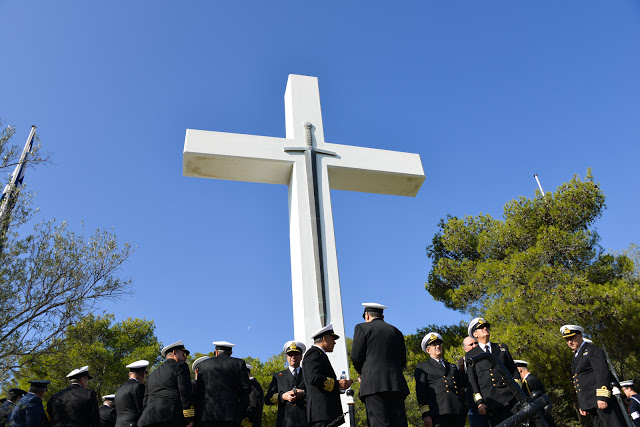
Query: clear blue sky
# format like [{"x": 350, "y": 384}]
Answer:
[{"x": 488, "y": 93}]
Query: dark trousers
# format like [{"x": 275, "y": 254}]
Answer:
[
  {"x": 386, "y": 409},
  {"x": 218, "y": 424},
  {"x": 498, "y": 415},
  {"x": 610, "y": 417},
  {"x": 449, "y": 420}
]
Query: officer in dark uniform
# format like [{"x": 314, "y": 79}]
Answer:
[
  {"x": 107, "y": 411},
  {"x": 490, "y": 393},
  {"x": 196, "y": 393},
  {"x": 288, "y": 391},
  {"x": 323, "y": 387},
  {"x": 379, "y": 356},
  {"x": 130, "y": 395},
  {"x": 29, "y": 411},
  {"x": 634, "y": 398},
  {"x": 439, "y": 387},
  {"x": 256, "y": 401},
  {"x": 223, "y": 386},
  {"x": 531, "y": 383},
  {"x": 167, "y": 399},
  {"x": 591, "y": 379},
  {"x": 13, "y": 396},
  {"x": 76, "y": 405}
]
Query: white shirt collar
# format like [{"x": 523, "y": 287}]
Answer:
[
  {"x": 484, "y": 346},
  {"x": 292, "y": 369},
  {"x": 316, "y": 345},
  {"x": 525, "y": 377},
  {"x": 579, "y": 348}
]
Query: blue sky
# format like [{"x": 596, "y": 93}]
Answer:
[{"x": 488, "y": 93}]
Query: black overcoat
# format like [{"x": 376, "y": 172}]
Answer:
[
  {"x": 74, "y": 406},
  {"x": 167, "y": 397},
  {"x": 379, "y": 356},
  {"x": 323, "y": 390},
  {"x": 223, "y": 389},
  {"x": 129, "y": 399}
]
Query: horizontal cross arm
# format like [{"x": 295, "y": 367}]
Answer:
[
  {"x": 370, "y": 170},
  {"x": 236, "y": 157}
]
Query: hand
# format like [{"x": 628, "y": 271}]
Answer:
[
  {"x": 482, "y": 409},
  {"x": 428, "y": 422},
  {"x": 190, "y": 424},
  {"x": 345, "y": 384},
  {"x": 289, "y": 396},
  {"x": 583, "y": 413},
  {"x": 602, "y": 404}
]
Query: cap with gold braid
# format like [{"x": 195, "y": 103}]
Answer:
[{"x": 568, "y": 331}]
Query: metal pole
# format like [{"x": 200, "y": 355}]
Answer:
[{"x": 539, "y": 186}]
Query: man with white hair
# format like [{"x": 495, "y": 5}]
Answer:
[
  {"x": 591, "y": 379},
  {"x": 439, "y": 387},
  {"x": 288, "y": 390}
]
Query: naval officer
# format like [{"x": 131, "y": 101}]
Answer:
[
  {"x": 591, "y": 379},
  {"x": 223, "y": 388},
  {"x": 379, "y": 356},
  {"x": 323, "y": 387},
  {"x": 75, "y": 405},
  {"x": 287, "y": 389},
  {"x": 439, "y": 387},
  {"x": 167, "y": 398},
  {"x": 130, "y": 395},
  {"x": 29, "y": 411}
]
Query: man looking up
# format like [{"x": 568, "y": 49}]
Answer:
[{"x": 490, "y": 393}]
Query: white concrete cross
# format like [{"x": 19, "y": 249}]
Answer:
[{"x": 310, "y": 167}]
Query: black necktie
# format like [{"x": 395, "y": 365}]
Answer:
[
  {"x": 295, "y": 376},
  {"x": 487, "y": 349}
]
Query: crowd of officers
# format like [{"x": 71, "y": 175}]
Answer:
[{"x": 307, "y": 392}]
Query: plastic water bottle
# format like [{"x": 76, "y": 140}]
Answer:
[{"x": 343, "y": 376}]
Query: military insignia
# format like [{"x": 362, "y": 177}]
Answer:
[
  {"x": 424, "y": 408},
  {"x": 329, "y": 383},
  {"x": 585, "y": 353},
  {"x": 293, "y": 346},
  {"x": 279, "y": 374},
  {"x": 565, "y": 330}
]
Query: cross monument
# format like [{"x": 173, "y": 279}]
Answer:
[{"x": 310, "y": 167}]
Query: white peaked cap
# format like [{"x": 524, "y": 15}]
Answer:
[
  {"x": 291, "y": 346},
  {"x": 178, "y": 344},
  {"x": 627, "y": 383},
  {"x": 374, "y": 305},
  {"x": 109, "y": 397},
  {"x": 138, "y": 365},
  {"x": 521, "y": 363},
  {"x": 249, "y": 367},
  {"x": 78, "y": 371},
  {"x": 429, "y": 338},
  {"x": 475, "y": 322},
  {"x": 327, "y": 330},
  {"x": 223, "y": 344},
  {"x": 196, "y": 362}
]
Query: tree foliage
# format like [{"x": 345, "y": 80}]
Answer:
[
  {"x": 106, "y": 347},
  {"x": 536, "y": 269},
  {"x": 50, "y": 277}
]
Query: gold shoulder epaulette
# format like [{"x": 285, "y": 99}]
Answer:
[
  {"x": 424, "y": 408},
  {"x": 189, "y": 413},
  {"x": 329, "y": 383},
  {"x": 603, "y": 392}
]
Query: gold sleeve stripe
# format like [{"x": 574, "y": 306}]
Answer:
[
  {"x": 189, "y": 413},
  {"x": 519, "y": 382},
  {"x": 329, "y": 383},
  {"x": 246, "y": 423},
  {"x": 47, "y": 414},
  {"x": 424, "y": 408},
  {"x": 274, "y": 399},
  {"x": 477, "y": 397},
  {"x": 603, "y": 392}
]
